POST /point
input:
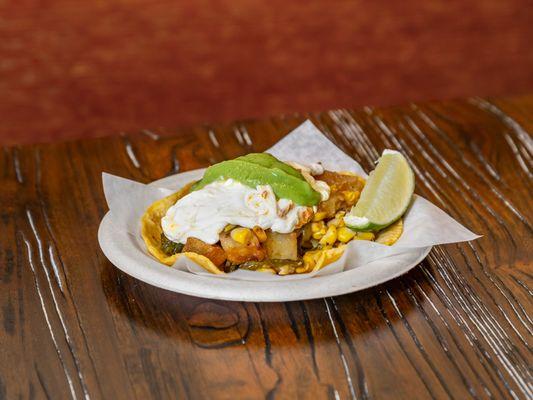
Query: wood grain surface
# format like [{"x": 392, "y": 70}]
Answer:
[{"x": 457, "y": 326}]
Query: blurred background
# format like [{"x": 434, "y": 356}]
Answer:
[{"x": 71, "y": 69}]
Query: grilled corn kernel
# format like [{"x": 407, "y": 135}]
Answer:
[
  {"x": 319, "y": 216},
  {"x": 338, "y": 221},
  {"x": 318, "y": 226},
  {"x": 334, "y": 222},
  {"x": 318, "y": 229},
  {"x": 350, "y": 196},
  {"x": 260, "y": 233},
  {"x": 319, "y": 234},
  {"x": 310, "y": 259},
  {"x": 365, "y": 236},
  {"x": 228, "y": 228},
  {"x": 345, "y": 234},
  {"x": 330, "y": 237},
  {"x": 241, "y": 235}
]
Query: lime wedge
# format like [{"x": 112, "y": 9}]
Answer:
[{"x": 386, "y": 195}]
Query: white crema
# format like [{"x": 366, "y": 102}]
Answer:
[{"x": 204, "y": 213}]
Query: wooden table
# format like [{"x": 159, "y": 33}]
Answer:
[{"x": 457, "y": 326}]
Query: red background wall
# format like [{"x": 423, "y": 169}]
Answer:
[{"x": 70, "y": 69}]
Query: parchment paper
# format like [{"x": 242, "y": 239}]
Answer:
[{"x": 425, "y": 224}]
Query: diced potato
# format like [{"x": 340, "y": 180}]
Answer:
[
  {"x": 213, "y": 252},
  {"x": 282, "y": 246}
]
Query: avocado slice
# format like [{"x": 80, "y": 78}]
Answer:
[
  {"x": 269, "y": 161},
  {"x": 284, "y": 185}
]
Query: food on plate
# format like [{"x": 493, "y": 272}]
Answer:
[{"x": 258, "y": 213}]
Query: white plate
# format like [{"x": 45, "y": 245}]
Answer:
[{"x": 128, "y": 254}]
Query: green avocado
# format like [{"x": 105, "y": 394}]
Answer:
[
  {"x": 251, "y": 174},
  {"x": 269, "y": 161}
]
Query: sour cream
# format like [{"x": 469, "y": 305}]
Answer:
[
  {"x": 308, "y": 172},
  {"x": 204, "y": 213}
]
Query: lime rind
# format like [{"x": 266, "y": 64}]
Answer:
[{"x": 386, "y": 195}]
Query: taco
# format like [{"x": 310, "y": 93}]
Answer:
[{"x": 258, "y": 213}]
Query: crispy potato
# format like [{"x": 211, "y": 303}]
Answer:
[
  {"x": 238, "y": 253},
  {"x": 212, "y": 251},
  {"x": 282, "y": 246}
]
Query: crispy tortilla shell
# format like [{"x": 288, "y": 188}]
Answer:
[
  {"x": 390, "y": 234},
  {"x": 315, "y": 260}
]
